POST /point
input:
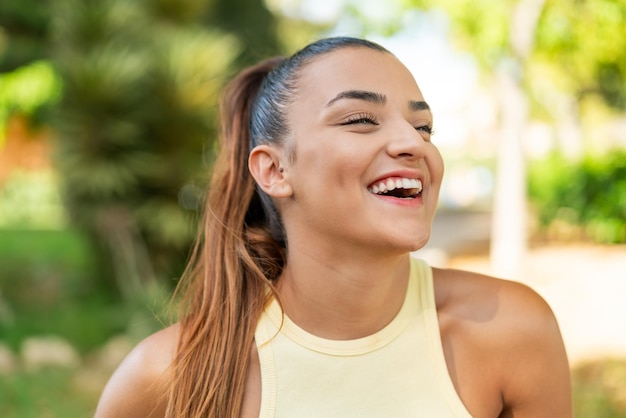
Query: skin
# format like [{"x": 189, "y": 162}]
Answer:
[{"x": 348, "y": 261}]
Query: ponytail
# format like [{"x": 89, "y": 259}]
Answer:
[
  {"x": 232, "y": 265},
  {"x": 240, "y": 250}
]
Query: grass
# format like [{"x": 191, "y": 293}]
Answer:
[
  {"x": 49, "y": 393},
  {"x": 599, "y": 389},
  {"x": 48, "y": 286}
]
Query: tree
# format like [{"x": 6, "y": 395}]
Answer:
[
  {"x": 27, "y": 83},
  {"x": 24, "y": 28},
  {"x": 136, "y": 125},
  {"x": 542, "y": 50}
]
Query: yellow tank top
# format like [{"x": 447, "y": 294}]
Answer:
[{"x": 398, "y": 372}]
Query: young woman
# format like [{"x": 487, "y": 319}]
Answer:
[{"x": 302, "y": 299}]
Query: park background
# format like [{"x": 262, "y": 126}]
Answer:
[{"x": 107, "y": 129}]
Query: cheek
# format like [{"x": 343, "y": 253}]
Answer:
[
  {"x": 328, "y": 173},
  {"x": 435, "y": 166},
  {"x": 335, "y": 158}
]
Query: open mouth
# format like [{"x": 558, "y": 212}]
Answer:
[{"x": 402, "y": 188}]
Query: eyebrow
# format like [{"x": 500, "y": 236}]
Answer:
[
  {"x": 376, "y": 98},
  {"x": 368, "y": 96},
  {"x": 418, "y": 105}
]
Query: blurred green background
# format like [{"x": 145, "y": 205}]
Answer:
[{"x": 107, "y": 134}]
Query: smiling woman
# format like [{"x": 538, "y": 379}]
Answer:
[{"x": 302, "y": 298}]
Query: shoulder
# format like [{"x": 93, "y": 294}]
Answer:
[
  {"x": 480, "y": 298},
  {"x": 510, "y": 328},
  {"x": 509, "y": 314},
  {"x": 135, "y": 388}
]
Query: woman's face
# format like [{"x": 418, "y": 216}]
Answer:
[{"x": 364, "y": 171}]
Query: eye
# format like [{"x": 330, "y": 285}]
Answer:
[
  {"x": 426, "y": 129},
  {"x": 361, "y": 119}
]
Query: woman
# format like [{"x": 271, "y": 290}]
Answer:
[{"x": 302, "y": 299}]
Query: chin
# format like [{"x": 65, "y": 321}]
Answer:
[
  {"x": 419, "y": 244},
  {"x": 412, "y": 243}
]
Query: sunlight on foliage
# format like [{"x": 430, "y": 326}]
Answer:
[
  {"x": 136, "y": 118},
  {"x": 27, "y": 89},
  {"x": 581, "y": 199},
  {"x": 31, "y": 200}
]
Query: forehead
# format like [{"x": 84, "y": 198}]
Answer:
[{"x": 356, "y": 68}]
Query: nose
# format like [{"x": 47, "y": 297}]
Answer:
[{"x": 406, "y": 142}]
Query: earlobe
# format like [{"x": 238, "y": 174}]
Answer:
[{"x": 265, "y": 166}]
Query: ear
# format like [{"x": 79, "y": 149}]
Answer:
[{"x": 265, "y": 166}]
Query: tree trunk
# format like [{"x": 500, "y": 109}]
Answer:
[
  {"x": 509, "y": 224},
  {"x": 570, "y": 133},
  {"x": 508, "y": 230}
]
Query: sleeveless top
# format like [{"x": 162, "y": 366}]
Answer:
[{"x": 400, "y": 371}]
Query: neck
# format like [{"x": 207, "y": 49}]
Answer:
[{"x": 343, "y": 296}]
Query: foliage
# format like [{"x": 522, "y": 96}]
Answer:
[
  {"x": 579, "y": 50},
  {"x": 252, "y": 23},
  {"x": 24, "y": 26},
  {"x": 31, "y": 200},
  {"x": 28, "y": 83},
  {"x": 480, "y": 26},
  {"x": 590, "y": 194},
  {"x": 27, "y": 90},
  {"x": 28, "y": 87},
  {"x": 598, "y": 389},
  {"x": 134, "y": 126},
  {"x": 582, "y": 46}
]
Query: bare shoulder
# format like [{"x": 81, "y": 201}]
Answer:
[
  {"x": 508, "y": 307},
  {"x": 509, "y": 327},
  {"x": 135, "y": 388}
]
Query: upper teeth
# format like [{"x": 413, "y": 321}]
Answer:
[{"x": 388, "y": 185}]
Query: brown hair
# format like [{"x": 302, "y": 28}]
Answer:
[{"x": 240, "y": 251}]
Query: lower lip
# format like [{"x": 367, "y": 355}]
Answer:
[{"x": 412, "y": 203}]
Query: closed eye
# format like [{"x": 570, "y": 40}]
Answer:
[
  {"x": 361, "y": 119},
  {"x": 427, "y": 129}
]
